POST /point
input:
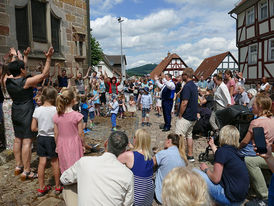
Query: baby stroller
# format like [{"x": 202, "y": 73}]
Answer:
[{"x": 237, "y": 115}]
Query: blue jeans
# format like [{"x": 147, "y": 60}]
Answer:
[
  {"x": 216, "y": 191},
  {"x": 271, "y": 191},
  {"x": 113, "y": 119}
]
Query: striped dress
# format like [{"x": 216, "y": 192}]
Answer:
[{"x": 143, "y": 184}]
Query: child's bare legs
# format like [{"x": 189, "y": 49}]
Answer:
[
  {"x": 41, "y": 172},
  {"x": 84, "y": 125},
  {"x": 98, "y": 110},
  {"x": 55, "y": 170}
]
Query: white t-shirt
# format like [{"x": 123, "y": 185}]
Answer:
[
  {"x": 44, "y": 116},
  {"x": 91, "y": 103}
]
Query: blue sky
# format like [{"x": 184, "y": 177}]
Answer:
[{"x": 194, "y": 29}]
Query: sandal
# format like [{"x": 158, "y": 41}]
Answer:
[
  {"x": 28, "y": 176},
  {"x": 58, "y": 190},
  {"x": 43, "y": 192},
  {"x": 18, "y": 170}
]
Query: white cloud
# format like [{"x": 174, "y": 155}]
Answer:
[{"x": 196, "y": 29}]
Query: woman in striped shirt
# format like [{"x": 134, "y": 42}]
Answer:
[{"x": 140, "y": 162}]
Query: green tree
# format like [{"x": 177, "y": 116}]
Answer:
[{"x": 96, "y": 51}]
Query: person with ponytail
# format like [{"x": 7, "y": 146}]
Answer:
[
  {"x": 140, "y": 162},
  {"x": 262, "y": 109},
  {"x": 69, "y": 138},
  {"x": 173, "y": 156}
]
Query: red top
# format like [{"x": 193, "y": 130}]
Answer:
[{"x": 110, "y": 88}]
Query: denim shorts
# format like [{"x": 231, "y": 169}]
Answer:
[
  {"x": 91, "y": 115},
  {"x": 145, "y": 111}
]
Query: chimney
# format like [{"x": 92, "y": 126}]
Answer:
[{"x": 168, "y": 53}]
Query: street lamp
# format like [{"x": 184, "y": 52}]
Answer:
[{"x": 120, "y": 20}]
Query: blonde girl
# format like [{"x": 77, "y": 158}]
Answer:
[
  {"x": 173, "y": 156},
  {"x": 140, "y": 162},
  {"x": 132, "y": 105},
  {"x": 185, "y": 188},
  {"x": 69, "y": 138}
]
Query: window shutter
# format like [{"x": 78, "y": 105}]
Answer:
[
  {"x": 22, "y": 34},
  {"x": 55, "y": 27},
  {"x": 39, "y": 30}
]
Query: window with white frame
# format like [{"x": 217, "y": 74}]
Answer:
[
  {"x": 252, "y": 53},
  {"x": 271, "y": 7},
  {"x": 271, "y": 50},
  {"x": 263, "y": 10},
  {"x": 250, "y": 16}
]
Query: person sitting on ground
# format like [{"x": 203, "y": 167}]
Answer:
[
  {"x": 228, "y": 182},
  {"x": 183, "y": 187},
  {"x": 261, "y": 108},
  {"x": 269, "y": 159},
  {"x": 165, "y": 160},
  {"x": 146, "y": 105},
  {"x": 140, "y": 162},
  {"x": 103, "y": 179}
]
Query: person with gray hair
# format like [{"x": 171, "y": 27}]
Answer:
[
  {"x": 103, "y": 179},
  {"x": 251, "y": 93},
  {"x": 243, "y": 100}
]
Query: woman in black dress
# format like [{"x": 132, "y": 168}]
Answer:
[{"x": 20, "y": 88}]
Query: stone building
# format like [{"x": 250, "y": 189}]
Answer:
[{"x": 64, "y": 24}]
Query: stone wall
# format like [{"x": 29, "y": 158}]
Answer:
[{"x": 73, "y": 28}]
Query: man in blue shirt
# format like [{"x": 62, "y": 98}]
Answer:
[
  {"x": 188, "y": 111},
  {"x": 202, "y": 84}
]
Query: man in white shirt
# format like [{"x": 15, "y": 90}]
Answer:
[
  {"x": 103, "y": 180},
  {"x": 222, "y": 99},
  {"x": 167, "y": 94}
]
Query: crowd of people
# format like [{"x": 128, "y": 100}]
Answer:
[{"x": 58, "y": 111}]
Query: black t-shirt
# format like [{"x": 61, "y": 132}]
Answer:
[
  {"x": 190, "y": 93},
  {"x": 63, "y": 81},
  {"x": 235, "y": 179},
  {"x": 178, "y": 87}
]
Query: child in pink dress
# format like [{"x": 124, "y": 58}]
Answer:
[
  {"x": 68, "y": 129},
  {"x": 69, "y": 138}
]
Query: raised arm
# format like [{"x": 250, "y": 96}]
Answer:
[
  {"x": 71, "y": 74},
  {"x": 54, "y": 71},
  {"x": 26, "y": 54},
  {"x": 87, "y": 73},
  {"x": 13, "y": 54},
  {"x": 59, "y": 69},
  {"x": 33, "y": 81}
]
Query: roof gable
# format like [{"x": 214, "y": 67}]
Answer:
[
  {"x": 210, "y": 64},
  {"x": 163, "y": 64}
]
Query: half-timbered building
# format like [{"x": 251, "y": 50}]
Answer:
[
  {"x": 255, "y": 38},
  {"x": 172, "y": 64},
  {"x": 216, "y": 64}
]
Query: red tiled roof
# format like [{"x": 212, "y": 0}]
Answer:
[
  {"x": 162, "y": 66},
  {"x": 209, "y": 65}
]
